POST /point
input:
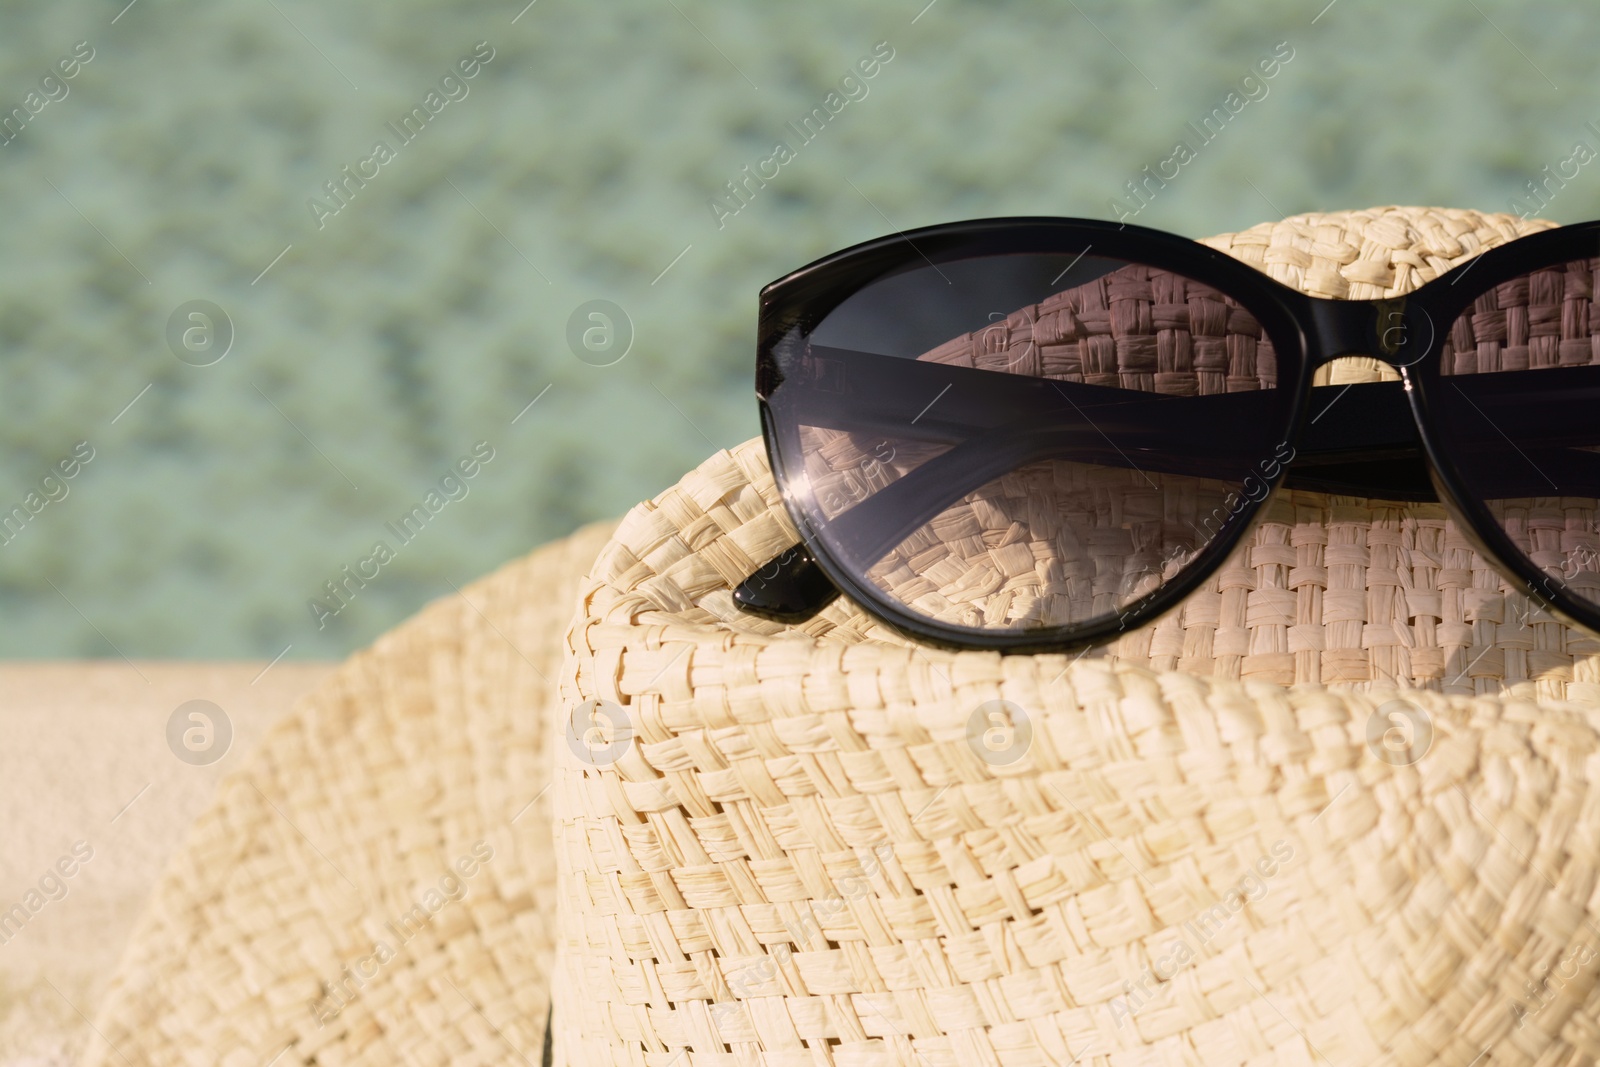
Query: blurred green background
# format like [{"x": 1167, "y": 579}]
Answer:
[{"x": 378, "y": 347}]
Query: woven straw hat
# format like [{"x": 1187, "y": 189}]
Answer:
[{"x": 830, "y": 845}]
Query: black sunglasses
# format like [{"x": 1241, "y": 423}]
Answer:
[{"x": 1030, "y": 434}]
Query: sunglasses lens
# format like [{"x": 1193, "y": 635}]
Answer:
[
  {"x": 1027, "y": 442},
  {"x": 1518, "y": 407}
]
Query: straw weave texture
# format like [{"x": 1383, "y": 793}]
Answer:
[{"x": 1136, "y": 328}]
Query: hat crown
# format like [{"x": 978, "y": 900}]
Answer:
[{"x": 826, "y": 842}]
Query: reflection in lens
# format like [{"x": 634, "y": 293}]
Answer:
[
  {"x": 1519, "y": 408},
  {"x": 1031, "y": 441},
  {"x": 1053, "y": 543}
]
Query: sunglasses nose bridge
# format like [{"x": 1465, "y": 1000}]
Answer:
[{"x": 1339, "y": 328}]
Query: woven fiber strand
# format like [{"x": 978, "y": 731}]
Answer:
[
  {"x": 260, "y": 943},
  {"x": 1541, "y": 320},
  {"x": 803, "y": 856}
]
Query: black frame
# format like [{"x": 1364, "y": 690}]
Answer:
[{"x": 1406, "y": 332}]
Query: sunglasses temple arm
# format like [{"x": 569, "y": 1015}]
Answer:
[
  {"x": 788, "y": 588},
  {"x": 791, "y": 587}
]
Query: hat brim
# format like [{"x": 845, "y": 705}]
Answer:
[{"x": 376, "y": 883}]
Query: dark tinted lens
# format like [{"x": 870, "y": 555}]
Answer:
[
  {"x": 1024, "y": 442},
  {"x": 1519, "y": 408}
]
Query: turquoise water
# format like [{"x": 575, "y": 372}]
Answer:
[{"x": 385, "y": 334}]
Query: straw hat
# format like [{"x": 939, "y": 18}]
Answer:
[{"x": 829, "y": 845}]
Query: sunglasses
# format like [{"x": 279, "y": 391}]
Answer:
[{"x": 1030, "y": 434}]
